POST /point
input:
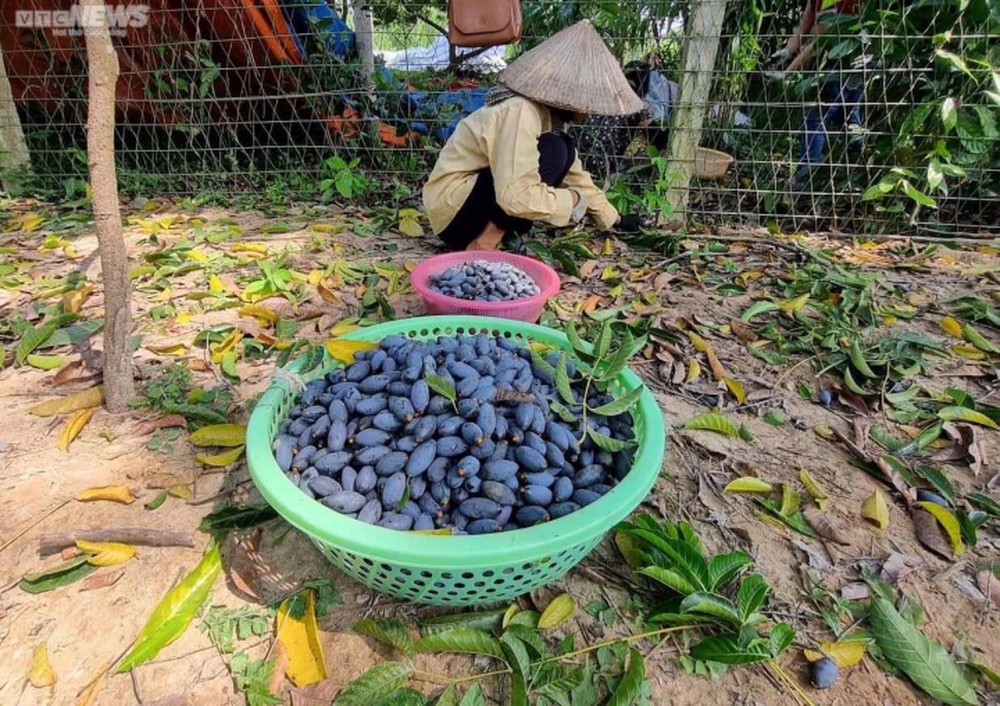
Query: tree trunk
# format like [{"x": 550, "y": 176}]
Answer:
[
  {"x": 364, "y": 33},
  {"x": 102, "y": 62},
  {"x": 701, "y": 44},
  {"x": 13, "y": 149}
]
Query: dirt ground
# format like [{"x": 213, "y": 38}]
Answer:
[{"x": 86, "y": 630}]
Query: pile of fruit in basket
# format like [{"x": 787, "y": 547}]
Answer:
[
  {"x": 484, "y": 281},
  {"x": 471, "y": 433}
]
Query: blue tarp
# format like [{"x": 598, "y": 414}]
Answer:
[
  {"x": 317, "y": 19},
  {"x": 444, "y": 110}
]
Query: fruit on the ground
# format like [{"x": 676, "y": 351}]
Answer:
[
  {"x": 377, "y": 442},
  {"x": 825, "y": 673}
]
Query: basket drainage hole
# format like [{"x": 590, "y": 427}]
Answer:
[{"x": 468, "y": 575}]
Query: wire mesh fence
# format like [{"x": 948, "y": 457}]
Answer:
[{"x": 885, "y": 119}]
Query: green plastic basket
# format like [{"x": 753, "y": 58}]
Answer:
[{"x": 453, "y": 570}]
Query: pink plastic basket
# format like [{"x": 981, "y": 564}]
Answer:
[{"x": 529, "y": 309}]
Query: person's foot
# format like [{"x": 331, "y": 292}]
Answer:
[{"x": 489, "y": 239}]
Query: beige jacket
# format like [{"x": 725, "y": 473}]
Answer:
[{"x": 504, "y": 138}]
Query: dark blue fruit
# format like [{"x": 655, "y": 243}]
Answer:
[
  {"x": 366, "y": 480},
  {"x": 420, "y": 396},
  {"x": 387, "y": 421},
  {"x": 393, "y": 490},
  {"x": 451, "y": 446},
  {"x": 498, "y": 492},
  {"x": 562, "y": 489},
  {"x": 585, "y": 497},
  {"x": 421, "y": 458},
  {"x": 371, "y": 455},
  {"x": 499, "y": 470},
  {"x": 396, "y": 521},
  {"x": 824, "y": 673},
  {"x": 531, "y": 515},
  {"x": 372, "y": 437},
  {"x": 483, "y": 526},
  {"x": 391, "y": 463},
  {"x": 371, "y": 512},
  {"x": 825, "y": 398},
  {"x": 537, "y": 495},
  {"x": 371, "y": 406},
  {"x": 479, "y": 508},
  {"x": 345, "y": 501},
  {"x": 530, "y": 460},
  {"x": 375, "y": 383},
  {"x": 557, "y": 510}
]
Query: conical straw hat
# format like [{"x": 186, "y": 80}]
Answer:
[{"x": 573, "y": 70}]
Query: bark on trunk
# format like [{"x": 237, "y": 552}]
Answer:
[
  {"x": 13, "y": 148},
  {"x": 102, "y": 61}
]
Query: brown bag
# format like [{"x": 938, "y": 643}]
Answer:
[{"x": 484, "y": 23}]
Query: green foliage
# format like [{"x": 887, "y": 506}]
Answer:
[
  {"x": 226, "y": 625},
  {"x": 253, "y": 678},
  {"x": 943, "y": 110},
  {"x": 711, "y": 592},
  {"x": 343, "y": 180},
  {"x": 169, "y": 392}
]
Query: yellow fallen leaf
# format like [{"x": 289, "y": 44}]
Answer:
[
  {"x": 608, "y": 248},
  {"x": 748, "y": 484},
  {"x": 220, "y": 435},
  {"x": 948, "y": 522},
  {"x": 41, "y": 674},
  {"x": 557, "y": 612},
  {"x": 114, "y": 493},
  {"x": 198, "y": 256},
  {"x": 411, "y": 227},
  {"x": 814, "y": 489},
  {"x": 876, "y": 510},
  {"x": 630, "y": 549},
  {"x": 694, "y": 370},
  {"x": 223, "y": 459},
  {"x": 978, "y": 340},
  {"x": 29, "y": 222},
  {"x": 342, "y": 327},
  {"x": 300, "y": 638},
  {"x": 183, "y": 318},
  {"x": 845, "y": 654},
  {"x": 968, "y": 352},
  {"x": 74, "y": 425},
  {"x": 951, "y": 327},
  {"x": 790, "y": 500},
  {"x": 93, "y": 397},
  {"x": 169, "y": 349},
  {"x": 824, "y": 432},
  {"x": 164, "y": 296},
  {"x": 87, "y": 696},
  {"x": 813, "y": 655},
  {"x": 737, "y": 389},
  {"x": 228, "y": 344},
  {"x": 344, "y": 351},
  {"x": 250, "y": 248},
  {"x": 106, "y": 553},
  {"x": 180, "y": 490},
  {"x": 258, "y": 312},
  {"x": 790, "y": 306},
  {"x": 72, "y": 301},
  {"x": 215, "y": 285},
  {"x": 443, "y": 532}
]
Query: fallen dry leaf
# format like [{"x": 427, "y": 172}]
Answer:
[
  {"x": 245, "y": 565},
  {"x": 929, "y": 533},
  {"x": 94, "y": 397},
  {"x": 824, "y": 527},
  {"x": 74, "y": 425},
  {"x": 41, "y": 674},
  {"x": 897, "y": 566},
  {"x": 167, "y": 422},
  {"x": 114, "y": 493},
  {"x": 102, "y": 579},
  {"x": 989, "y": 584}
]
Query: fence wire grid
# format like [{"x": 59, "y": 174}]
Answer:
[{"x": 888, "y": 124}]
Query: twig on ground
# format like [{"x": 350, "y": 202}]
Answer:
[
  {"x": 53, "y": 542},
  {"x": 32, "y": 524}
]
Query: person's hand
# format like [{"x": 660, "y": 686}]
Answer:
[
  {"x": 630, "y": 223},
  {"x": 776, "y": 76},
  {"x": 781, "y": 56},
  {"x": 576, "y": 197}
]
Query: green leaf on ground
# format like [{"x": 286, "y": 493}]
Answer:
[{"x": 924, "y": 661}]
